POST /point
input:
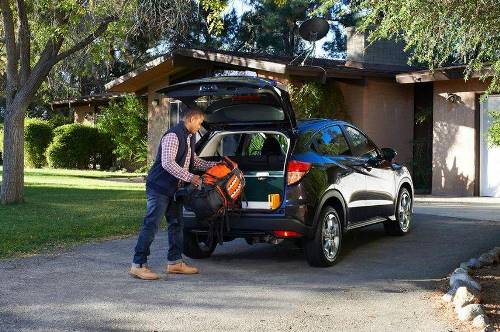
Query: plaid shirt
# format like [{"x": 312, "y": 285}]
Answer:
[{"x": 169, "y": 147}]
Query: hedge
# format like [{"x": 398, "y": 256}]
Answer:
[
  {"x": 79, "y": 146},
  {"x": 37, "y": 136}
]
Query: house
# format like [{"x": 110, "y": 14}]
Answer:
[
  {"x": 86, "y": 109},
  {"x": 378, "y": 96},
  {"x": 463, "y": 164}
]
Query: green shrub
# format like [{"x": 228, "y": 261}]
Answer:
[
  {"x": 1, "y": 137},
  {"x": 126, "y": 121},
  {"x": 494, "y": 130},
  {"x": 1, "y": 143},
  {"x": 316, "y": 100},
  {"x": 79, "y": 146},
  {"x": 58, "y": 119},
  {"x": 37, "y": 136}
]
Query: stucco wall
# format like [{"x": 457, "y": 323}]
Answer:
[
  {"x": 384, "y": 110},
  {"x": 454, "y": 137}
]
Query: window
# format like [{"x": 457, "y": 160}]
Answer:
[
  {"x": 265, "y": 144},
  {"x": 229, "y": 145},
  {"x": 331, "y": 142},
  {"x": 362, "y": 146}
]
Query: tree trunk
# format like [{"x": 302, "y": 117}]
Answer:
[{"x": 13, "y": 157}]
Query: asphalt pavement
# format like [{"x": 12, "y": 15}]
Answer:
[{"x": 381, "y": 283}]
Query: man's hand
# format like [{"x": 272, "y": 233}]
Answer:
[{"x": 196, "y": 180}]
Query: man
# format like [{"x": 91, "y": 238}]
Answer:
[{"x": 175, "y": 157}]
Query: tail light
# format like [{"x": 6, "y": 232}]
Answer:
[
  {"x": 296, "y": 170},
  {"x": 286, "y": 234}
]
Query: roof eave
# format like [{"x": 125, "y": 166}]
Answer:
[{"x": 440, "y": 74}]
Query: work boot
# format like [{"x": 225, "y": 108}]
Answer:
[
  {"x": 181, "y": 268},
  {"x": 143, "y": 273}
]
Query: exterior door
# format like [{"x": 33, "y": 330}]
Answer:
[{"x": 489, "y": 175}]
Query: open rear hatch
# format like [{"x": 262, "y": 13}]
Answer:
[
  {"x": 261, "y": 156},
  {"x": 236, "y": 102},
  {"x": 249, "y": 119}
]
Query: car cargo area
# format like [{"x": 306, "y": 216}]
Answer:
[{"x": 261, "y": 156}]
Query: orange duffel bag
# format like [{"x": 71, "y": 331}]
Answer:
[{"x": 221, "y": 188}]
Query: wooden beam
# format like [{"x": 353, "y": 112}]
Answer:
[
  {"x": 243, "y": 62},
  {"x": 139, "y": 78}
]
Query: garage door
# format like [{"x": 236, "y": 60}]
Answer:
[{"x": 489, "y": 156}]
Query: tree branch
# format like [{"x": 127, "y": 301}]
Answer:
[
  {"x": 11, "y": 48},
  {"x": 103, "y": 26},
  {"x": 24, "y": 42},
  {"x": 39, "y": 73}
]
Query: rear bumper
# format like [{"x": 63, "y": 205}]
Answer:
[{"x": 258, "y": 224}]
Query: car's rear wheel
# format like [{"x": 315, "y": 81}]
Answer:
[
  {"x": 402, "y": 224},
  {"x": 196, "y": 246},
  {"x": 323, "y": 250}
]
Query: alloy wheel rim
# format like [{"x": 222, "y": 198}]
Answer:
[
  {"x": 404, "y": 212},
  {"x": 331, "y": 236}
]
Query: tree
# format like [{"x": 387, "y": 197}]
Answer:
[
  {"x": 441, "y": 33},
  {"x": 39, "y": 34},
  {"x": 271, "y": 26}
]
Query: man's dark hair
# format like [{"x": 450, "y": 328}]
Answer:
[{"x": 191, "y": 112}]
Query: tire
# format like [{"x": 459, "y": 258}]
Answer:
[
  {"x": 323, "y": 250},
  {"x": 196, "y": 247},
  {"x": 402, "y": 224}
]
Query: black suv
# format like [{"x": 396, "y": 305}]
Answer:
[{"x": 309, "y": 181}]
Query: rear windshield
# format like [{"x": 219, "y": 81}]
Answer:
[{"x": 260, "y": 107}]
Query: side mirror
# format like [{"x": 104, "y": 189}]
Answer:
[{"x": 388, "y": 154}]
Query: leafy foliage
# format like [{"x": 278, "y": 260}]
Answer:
[
  {"x": 441, "y": 33},
  {"x": 494, "y": 131},
  {"x": 316, "y": 100},
  {"x": 126, "y": 122},
  {"x": 58, "y": 119},
  {"x": 1, "y": 143},
  {"x": 272, "y": 27},
  {"x": 79, "y": 146},
  {"x": 37, "y": 135}
]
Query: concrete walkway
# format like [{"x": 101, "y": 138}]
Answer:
[
  {"x": 381, "y": 283},
  {"x": 482, "y": 208}
]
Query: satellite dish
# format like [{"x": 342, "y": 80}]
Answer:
[{"x": 314, "y": 29}]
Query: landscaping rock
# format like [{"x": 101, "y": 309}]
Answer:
[
  {"x": 465, "y": 266},
  {"x": 480, "y": 321},
  {"x": 460, "y": 270},
  {"x": 469, "y": 312},
  {"x": 495, "y": 252},
  {"x": 487, "y": 259},
  {"x": 464, "y": 296},
  {"x": 488, "y": 328},
  {"x": 463, "y": 279},
  {"x": 474, "y": 263},
  {"x": 448, "y": 297}
]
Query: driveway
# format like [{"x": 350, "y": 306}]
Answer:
[{"x": 381, "y": 283}]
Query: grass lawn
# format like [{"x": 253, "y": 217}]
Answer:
[{"x": 66, "y": 207}]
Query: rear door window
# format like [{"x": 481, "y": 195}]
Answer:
[
  {"x": 361, "y": 145},
  {"x": 264, "y": 144},
  {"x": 331, "y": 142}
]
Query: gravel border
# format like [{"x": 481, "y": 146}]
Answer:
[{"x": 465, "y": 292}]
